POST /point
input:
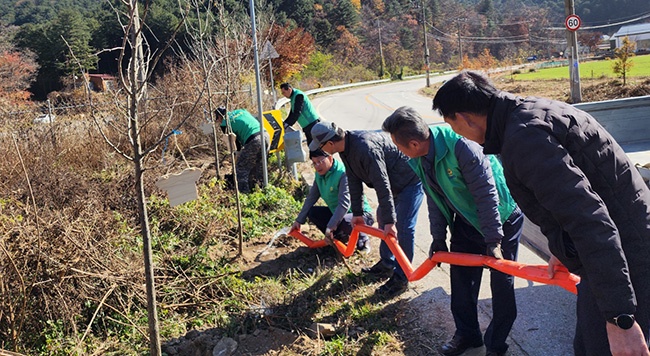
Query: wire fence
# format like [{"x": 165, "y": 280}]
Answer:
[{"x": 47, "y": 112}]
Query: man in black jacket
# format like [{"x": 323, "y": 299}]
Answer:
[
  {"x": 570, "y": 177},
  {"x": 372, "y": 158}
]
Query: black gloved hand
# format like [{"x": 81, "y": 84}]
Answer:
[
  {"x": 436, "y": 246},
  {"x": 494, "y": 250}
]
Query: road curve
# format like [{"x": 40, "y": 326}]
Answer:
[{"x": 366, "y": 108}]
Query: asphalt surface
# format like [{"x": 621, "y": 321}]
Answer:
[{"x": 546, "y": 314}]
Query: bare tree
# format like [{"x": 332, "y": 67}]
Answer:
[
  {"x": 145, "y": 128},
  {"x": 221, "y": 55}
]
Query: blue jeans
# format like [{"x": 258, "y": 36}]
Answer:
[
  {"x": 407, "y": 203},
  {"x": 466, "y": 281}
]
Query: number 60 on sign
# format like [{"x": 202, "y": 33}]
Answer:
[{"x": 572, "y": 22}]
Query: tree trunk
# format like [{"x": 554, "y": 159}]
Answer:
[
  {"x": 137, "y": 77},
  {"x": 152, "y": 312}
]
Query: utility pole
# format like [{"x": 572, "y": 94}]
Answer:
[
  {"x": 574, "y": 70},
  {"x": 426, "y": 46},
  {"x": 460, "y": 45},
  {"x": 381, "y": 53}
]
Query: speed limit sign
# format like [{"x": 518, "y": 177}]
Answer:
[{"x": 572, "y": 22}]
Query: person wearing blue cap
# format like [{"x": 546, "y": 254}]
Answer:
[{"x": 372, "y": 158}]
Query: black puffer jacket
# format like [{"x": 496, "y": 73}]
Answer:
[
  {"x": 372, "y": 158},
  {"x": 572, "y": 179}
]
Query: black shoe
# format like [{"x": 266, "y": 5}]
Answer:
[
  {"x": 393, "y": 287},
  {"x": 379, "y": 270},
  {"x": 494, "y": 353},
  {"x": 458, "y": 345}
]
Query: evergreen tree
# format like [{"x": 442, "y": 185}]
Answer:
[
  {"x": 623, "y": 62},
  {"x": 300, "y": 11},
  {"x": 344, "y": 14},
  {"x": 48, "y": 41}
]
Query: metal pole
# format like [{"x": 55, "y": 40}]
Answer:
[
  {"x": 426, "y": 46},
  {"x": 381, "y": 53},
  {"x": 574, "y": 68},
  {"x": 50, "y": 118},
  {"x": 275, "y": 98},
  {"x": 259, "y": 92},
  {"x": 460, "y": 46}
]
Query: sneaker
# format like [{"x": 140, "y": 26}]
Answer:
[
  {"x": 363, "y": 246},
  {"x": 393, "y": 287},
  {"x": 379, "y": 270},
  {"x": 364, "y": 249}
]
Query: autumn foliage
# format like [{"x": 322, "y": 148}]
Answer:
[
  {"x": 17, "y": 70},
  {"x": 346, "y": 46},
  {"x": 295, "y": 47},
  {"x": 484, "y": 61}
]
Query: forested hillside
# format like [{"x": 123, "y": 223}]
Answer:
[{"x": 361, "y": 38}]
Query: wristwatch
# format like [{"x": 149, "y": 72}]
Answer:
[{"x": 623, "y": 321}]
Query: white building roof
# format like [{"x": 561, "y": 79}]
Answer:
[{"x": 633, "y": 30}]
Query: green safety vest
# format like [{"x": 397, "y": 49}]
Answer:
[
  {"x": 328, "y": 185},
  {"x": 308, "y": 113},
  {"x": 448, "y": 177},
  {"x": 243, "y": 124}
]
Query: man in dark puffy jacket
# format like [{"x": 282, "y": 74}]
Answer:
[
  {"x": 371, "y": 158},
  {"x": 466, "y": 192},
  {"x": 570, "y": 177}
]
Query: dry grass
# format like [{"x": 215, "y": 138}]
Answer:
[{"x": 596, "y": 89}]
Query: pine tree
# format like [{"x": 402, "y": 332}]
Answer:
[{"x": 623, "y": 62}]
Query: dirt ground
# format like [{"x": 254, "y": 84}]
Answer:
[
  {"x": 271, "y": 256},
  {"x": 591, "y": 89}
]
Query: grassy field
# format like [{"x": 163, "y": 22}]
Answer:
[{"x": 591, "y": 69}]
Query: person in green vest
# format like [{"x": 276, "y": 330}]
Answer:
[
  {"x": 467, "y": 193},
  {"x": 249, "y": 140},
  {"x": 331, "y": 184},
  {"x": 301, "y": 110}
]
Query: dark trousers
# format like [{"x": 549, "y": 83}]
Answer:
[
  {"x": 248, "y": 164},
  {"x": 591, "y": 333},
  {"x": 321, "y": 215},
  {"x": 307, "y": 130},
  {"x": 466, "y": 281}
]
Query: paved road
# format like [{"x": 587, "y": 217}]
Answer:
[
  {"x": 545, "y": 321},
  {"x": 366, "y": 108}
]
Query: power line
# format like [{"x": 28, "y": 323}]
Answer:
[{"x": 644, "y": 16}]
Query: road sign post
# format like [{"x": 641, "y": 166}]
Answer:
[
  {"x": 572, "y": 23},
  {"x": 268, "y": 52}
]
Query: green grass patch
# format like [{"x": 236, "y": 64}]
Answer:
[{"x": 590, "y": 69}]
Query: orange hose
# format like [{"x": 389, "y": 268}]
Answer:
[{"x": 536, "y": 273}]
